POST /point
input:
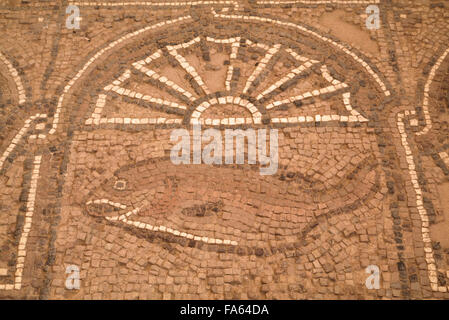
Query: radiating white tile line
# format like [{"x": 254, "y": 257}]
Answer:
[
  {"x": 425, "y": 231},
  {"x": 30, "y": 201},
  {"x": 229, "y": 74},
  {"x": 304, "y": 29},
  {"x": 140, "y": 65},
  {"x": 445, "y": 157},
  {"x": 364, "y": 2},
  {"x": 15, "y": 75},
  {"x": 293, "y": 73},
  {"x": 257, "y": 45},
  {"x": 160, "y": 24},
  {"x": 309, "y": 94},
  {"x": 96, "y": 119},
  {"x": 100, "y": 53},
  {"x": 354, "y": 116},
  {"x": 195, "y": 117},
  {"x": 326, "y": 75},
  {"x": 21, "y": 254},
  {"x": 235, "y": 48},
  {"x": 262, "y": 64},
  {"x": 101, "y": 100},
  {"x": 346, "y": 96},
  {"x": 133, "y": 121},
  {"x": 224, "y": 121},
  {"x": 96, "y": 115},
  {"x": 425, "y": 104},
  {"x": 314, "y": 93},
  {"x": 137, "y": 95},
  {"x": 223, "y": 41},
  {"x": 354, "y": 112}
]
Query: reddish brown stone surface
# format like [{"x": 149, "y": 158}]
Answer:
[{"x": 86, "y": 177}]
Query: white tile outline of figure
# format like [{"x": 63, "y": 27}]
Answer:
[
  {"x": 425, "y": 103},
  {"x": 16, "y": 77},
  {"x": 124, "y": 218},
  {"x": 97, "y": 55},
  {"x": 143, "y": 66},
  {"x": 21, "y": 253}
]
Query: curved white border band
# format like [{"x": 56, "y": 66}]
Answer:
[{"x": 15, "y": 75}]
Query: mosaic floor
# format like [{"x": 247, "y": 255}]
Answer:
[{"x": 87, "y": 182}]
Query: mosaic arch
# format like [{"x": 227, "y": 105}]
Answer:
[
  {"x": 96, "y": 188},
  {"x": 12, "y": 93},
  {"x": 317, "y": 92}
]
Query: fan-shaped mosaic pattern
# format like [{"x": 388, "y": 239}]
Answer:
[{"x": 362, "y": 165}]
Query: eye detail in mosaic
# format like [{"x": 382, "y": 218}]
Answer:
[{"x": 225, "y": 150}]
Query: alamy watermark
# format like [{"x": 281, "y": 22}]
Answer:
[
  {"x": 373, "y": 20},
  {"x": 373, "y": 280},
  {"x": 213, "y": 151},
  {"x": 73, "y": 280},
  {"x": 73, "y": 20}
]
